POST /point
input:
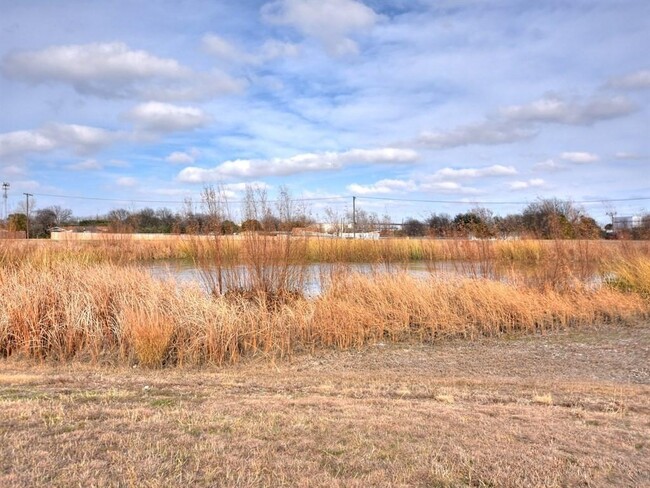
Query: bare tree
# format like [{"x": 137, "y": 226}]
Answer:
[
  {"x": 366, "y": 221},
  {"x": 215, "y": 203},
  {"x": 285, "y": 206},
  {"x": 119, "y": 220},
  {"x": 334, "y": 221},
  {"x": 256, "y": 208},
  {"x": 62, "y": 215}
]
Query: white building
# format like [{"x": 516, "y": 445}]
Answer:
[{"x": 623, "y": 223}]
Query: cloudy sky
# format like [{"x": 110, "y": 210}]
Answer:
[{"x": 442, "y": 100}]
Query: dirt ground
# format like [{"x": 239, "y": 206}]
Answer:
[{"x": 563, "y": 409}]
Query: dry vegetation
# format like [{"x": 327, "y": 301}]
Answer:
[
  {"x": 561, "y": 409},
  {"x": 109, "y": 313},
  {"x": 373, "y": 382},
  {"x": 233, "y": 249}
]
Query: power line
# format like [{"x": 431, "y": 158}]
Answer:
[
  {"x": 342, "y": 197},
  {"x": 79, "y": 197},
  {"x": 465, "y": 202}
]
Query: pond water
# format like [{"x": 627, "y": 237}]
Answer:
[{"x": 315, "y": 275}]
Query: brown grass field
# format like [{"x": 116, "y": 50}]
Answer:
[
  {"x": 565, "y": 408},
  {"x": 529, "y": 368}
]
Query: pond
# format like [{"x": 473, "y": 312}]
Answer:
[{"x": 314, "y": 275}]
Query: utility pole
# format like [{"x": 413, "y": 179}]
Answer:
[
  {"x": 27, "y": 195},
  {"x": 5, "y": 187},
  {"x": 612, "y": 214},
  {"x": 354, "y": 217}
]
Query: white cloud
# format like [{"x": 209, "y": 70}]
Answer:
[
  {"x": 448, "y": 187},
  {"x": 234, "y": 190},
  {"x": 383, "y": 187},
  {"x": 331, "y": 22},
  {"x": 551, "y": 165},
  {"x": 383, "y": 155},
  {"x": 13, "y": 170},
  {"x": 628, "y": 155},
  {"x": 489, "y": 132},
  {"x": 225, "y": 50},
  {"x": 126, "y": 181},
  {"x": 442, "y": 181},
  {"x": 86, "y": 63},
  {"x": 554, "y": 109},
  {"x": 179, "y": 157},
  {"x": 300, "y": 163},
  {"x": 242, "y": 186},
  {"x": 19, "y": 143},
  {"x": 85, "y": 165},
  {"x": 197, "y": 87},
  {"x": 639, "y": 80},
  {"x": 273, "y": 49},
  {"x": 113, "y": 70},
  {"x": 94, "y": 165},
  {"x": 464, "y": 173},
  {"x": 157, "y": 117},
  {"x": 390, "y": 186},
  {"x": 548, "y": 165},
  {"x": 579, "y": 157},
  {"x": 445, "y": 180},
  {"x": 79, "y": 139},
  {"x": 90, "y": 68},
  {"x": 222, "y": 48},
  {"x": 524, "y": 185},
  {"x": 520, "y": 122}
]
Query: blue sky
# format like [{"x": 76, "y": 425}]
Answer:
[{"x": 452, "y": 100}]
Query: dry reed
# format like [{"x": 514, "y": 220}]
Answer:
[
  {"x": 105, "y": 312},
  {"x": 316, "y": 250}
]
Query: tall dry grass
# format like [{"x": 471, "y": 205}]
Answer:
[
  {"x": 362, "y": 308},
  {"x": 105, "y": 312},
  {"x": 254, "y": 263},
  {"x": 631, "y": 275},
  {"x": 44, "y": 251},
  {"x": 238, "y": 249}
]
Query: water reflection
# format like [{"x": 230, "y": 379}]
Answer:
[{"x": 315, "y": 276}]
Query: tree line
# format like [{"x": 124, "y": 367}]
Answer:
[{"x": 542, "y": 219}]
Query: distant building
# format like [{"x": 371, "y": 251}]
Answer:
[
  {"x": 373, "y": 236},
  {"x": 626, "y": 223}
]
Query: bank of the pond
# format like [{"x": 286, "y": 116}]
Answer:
[{"x": 123, "y": 314}]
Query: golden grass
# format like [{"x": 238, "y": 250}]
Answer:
[
  {"x": 105, "y": 312},
  {"x": 237, "y": 249},
  {"x": 632, "y": 275},
  {"x": 65, "y": 300},
  {"x": 545, "y": 399},
  {"x": 359, "y": 308},
  {"x": 149, "y": 335},
  {"x": 445, "y": 398}
]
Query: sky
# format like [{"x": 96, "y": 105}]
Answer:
[{"x": 454, "y": 103}]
